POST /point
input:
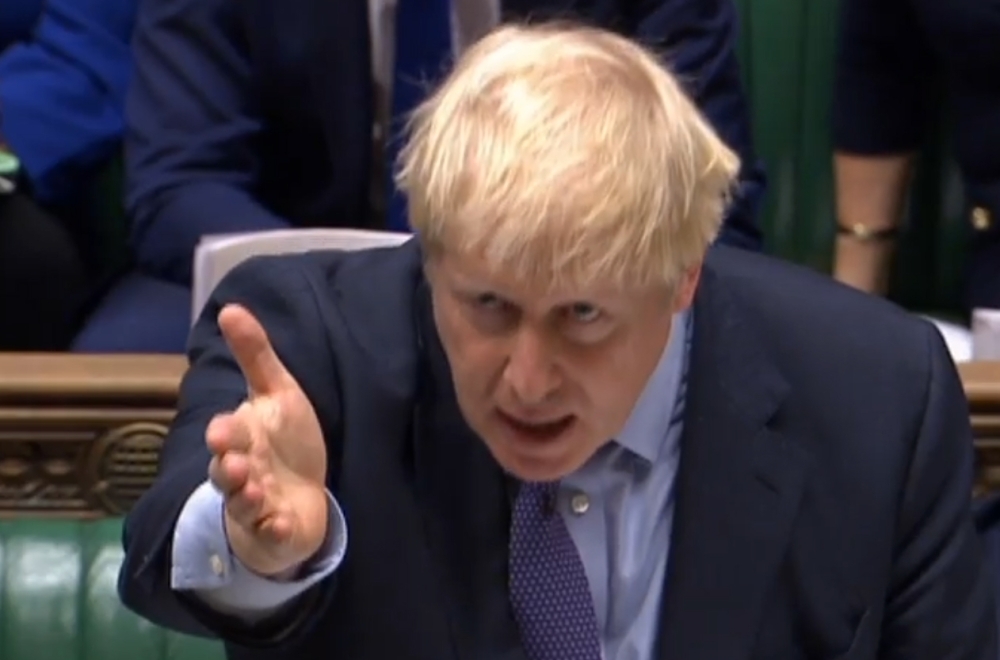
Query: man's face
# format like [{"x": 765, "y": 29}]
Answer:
[{"x": 546, "y": 378}]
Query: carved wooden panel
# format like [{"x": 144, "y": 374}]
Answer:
[
  {"x": 80, "y": 436},
  {"x": 982, "y": 387}
]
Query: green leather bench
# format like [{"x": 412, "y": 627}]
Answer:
[
  {"x": 58, "y": 599},
  {"x": 79, "y": 442}
]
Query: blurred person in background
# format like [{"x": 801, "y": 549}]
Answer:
[
  {"x": 64, "y": 69},
  {"x": 256, "y": 115},
  {"x": 889, "y": 51}
]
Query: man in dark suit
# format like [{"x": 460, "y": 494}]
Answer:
[
  {"x": 259, "y": 114},
  {"x": 557, "y": 426}
]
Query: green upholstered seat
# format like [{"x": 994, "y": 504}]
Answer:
[{"x": 58, "y": 599}]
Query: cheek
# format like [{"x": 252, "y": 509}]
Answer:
[
  {"x": 607, "y": 389},
  {"x": 477, "y": 364},
  {"x": 602, "y": 400}
]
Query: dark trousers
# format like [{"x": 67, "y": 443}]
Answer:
[{"x": 44, "y": 280}]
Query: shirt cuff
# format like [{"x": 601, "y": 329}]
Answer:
[{"x": 202, "y": 561}]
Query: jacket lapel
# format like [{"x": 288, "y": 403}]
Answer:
[
  {"x": 738, "y": 489},
  {"x": 465, "y": 497}
]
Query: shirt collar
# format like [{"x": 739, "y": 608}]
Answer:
[{"x": 646, "y": 428}]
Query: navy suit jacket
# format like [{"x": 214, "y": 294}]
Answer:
[
  {"x": 257, "y": 114},
  {"x": 822, "y": 497}
]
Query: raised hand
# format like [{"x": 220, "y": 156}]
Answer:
[{"x": 269, "y": 458}]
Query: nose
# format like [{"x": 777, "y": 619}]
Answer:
[{"x": 531, "y": 372}]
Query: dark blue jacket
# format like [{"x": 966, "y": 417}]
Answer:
[{"x": 257, "y": 114}]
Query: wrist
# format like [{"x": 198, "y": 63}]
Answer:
[{"x": 863, "y": 265}]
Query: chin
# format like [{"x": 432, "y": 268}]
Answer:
[
  {"x": 526, "y": 471},
  {"x": 533, "y": 467}
]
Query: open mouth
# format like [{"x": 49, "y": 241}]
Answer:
[{"x": 539, "y": 431}]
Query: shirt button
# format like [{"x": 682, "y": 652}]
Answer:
[
  {"x": 579, "y": 503},
  {"x": 217, "y": 566}
]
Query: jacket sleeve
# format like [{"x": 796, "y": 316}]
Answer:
[
  {"x": 62, "y": 92},
  {"x": 940, "y": 603},
  {"x": 880, "y": 95},
  {"x": 281, "y": 296},
  {"x": 190, "y": 153},
  {"x": 698, "y": 40}
]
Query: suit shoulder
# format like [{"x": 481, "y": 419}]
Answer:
[
  {"x": 808, "y": 319},
  {"x": 377, "y": 268},
  {"x": 358, "y": 303}
]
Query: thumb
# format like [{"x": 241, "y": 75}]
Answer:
[{"x": 249, "y": 344}]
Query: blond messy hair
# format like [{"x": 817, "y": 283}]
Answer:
[{"x": 566, "y": 155}]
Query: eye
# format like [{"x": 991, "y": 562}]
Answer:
[
  {"x": 488, "y": 301},
  {"x": 584, "y": 313},
  {"x": 490, "y": 313}
]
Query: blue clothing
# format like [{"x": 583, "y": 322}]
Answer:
[
  {"x": 270, "y": 117},
  {"x": 153, "y": 314},
  {"x": 17, "y": 20},
  {"x": 423, "y": 52},
  {"x": 203, "y": 562},
  {"x": 62, "y": 93},
  {"x": 268, "y": 129}
]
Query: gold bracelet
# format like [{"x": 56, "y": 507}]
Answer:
[{"x": 866, "y": 234}]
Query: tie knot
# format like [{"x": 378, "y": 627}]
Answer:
[
  {"x": 542, "y": 493},
  {"x": 541, "y": 487}
]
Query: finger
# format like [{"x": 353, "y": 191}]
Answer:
[
  {"x": 229, "y": 432},
  {"x": 277, "y": 528},
  {"x": 229, "y": 472},
  {"x": 246, "y": 504},
  {"x": 252, "y": 349}
]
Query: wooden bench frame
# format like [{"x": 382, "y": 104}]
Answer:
[
  {"x": 80, "y": 434},
  {"x": 982, "y": 387}
]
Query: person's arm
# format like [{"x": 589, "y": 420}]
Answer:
[
  {"x": 940, "y": 603},
  {"x": 871, "y": 192},
  {"x": 155, "y": 547},
  {"x": 62, "y": 93},
  {"x": 190, "y": 155},
  {"x": 878, "y": 120},
  {"x": 698, "y": 40},
  {"x": 203, "y": 563}
]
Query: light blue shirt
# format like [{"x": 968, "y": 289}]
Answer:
[{"x": 619, "y": 509}]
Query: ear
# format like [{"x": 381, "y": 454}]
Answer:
[{"x": 686, "y": 288}]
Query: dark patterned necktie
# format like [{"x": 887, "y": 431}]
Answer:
[{"x": 549, "y": 592}]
